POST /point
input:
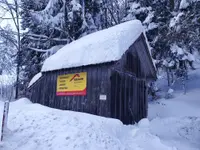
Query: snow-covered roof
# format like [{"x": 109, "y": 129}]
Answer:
[
  {"x": 99, "y": 47},
  {"x": 35, "y": 78}
]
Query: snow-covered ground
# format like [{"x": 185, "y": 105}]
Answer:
[
  {"x": 33, "y": 126},
  {"x": 173, "y": 124},
  {"x": 177, "y": 121}
]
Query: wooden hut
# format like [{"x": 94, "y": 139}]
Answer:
[{"x": 104, "y": 73}]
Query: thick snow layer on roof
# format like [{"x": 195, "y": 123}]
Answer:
[
  {"x": 34, "y": 79},
  {"x": 99, "y": 47}
]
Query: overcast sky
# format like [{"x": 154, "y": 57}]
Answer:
[{"x": 4, "y": 14}]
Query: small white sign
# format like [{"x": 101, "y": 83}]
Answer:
[{"x": 103, "y": 97}]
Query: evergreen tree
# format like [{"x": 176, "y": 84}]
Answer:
[
  {"x": 171, "y": 26},
  {"x": 52, "y": 23}
]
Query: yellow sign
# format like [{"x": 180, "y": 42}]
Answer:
[{"x": 72, "y": 84}]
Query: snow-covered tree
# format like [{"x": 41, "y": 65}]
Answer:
[
  {"x": 50, "y": 24},
  {"x": 12, "y": 8},
  {"x": 8, "y": 50}
]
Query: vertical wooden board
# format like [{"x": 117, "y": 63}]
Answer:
[
  {"x": 34, "y": 90},
  {"x": 102, "y": 91},
  {"x": 52, "y": 93},
  {"x": 42, "y": 94},
  {"x": 47, "y": 90},
  {"x": 109, "y": 92},
  {"x": 121, "y": 96},
  {"x": 135, "y": 104},
  {"x": 144, "y": 84},
  {"x": 77, "y": 103},
  {"x": 117, "y": 96},
  {"x": 139, "y": 101},
  {"x": 138, "y": 106},
  {"x": 125, "y": 99},
  {"x": 33, "y": 93},
  {"x": 98, "y": 104},
  {"x": 92, "y": 85},
  {"x": 42, "y": 97},
  {"x": 133, "y": 98},
  {"x": 37, "y": 90},
  {"x": 142, "y": 97},
  {"x": 106, "y": 91},
  {"x": 83, "y": 98},
  {"x": 54, "y": 97},
  {"x": 112, "y": 95},
  {"x": 130, "y": 99},
  {"x": 99, "y": 91},
  {"x": 118, "y": 102},
  {"x": 58, "y": 100},
  {"x": 135, "y": 101},
  {"x": 145, "y": 99}
]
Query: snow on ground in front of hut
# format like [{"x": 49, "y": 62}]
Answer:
[
  {"x": 177, "y": 121},
  {"x": 172, "y": 124},
  {"x": 33, "y": 126}
]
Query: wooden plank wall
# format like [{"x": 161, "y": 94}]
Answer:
[
  {"x": 128, "y": 100},
  {"x": 129, "y": 103},
  {"x": 44, "y": 92},
  {"x": 126, "y": 93}
]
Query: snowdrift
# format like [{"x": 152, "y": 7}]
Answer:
[{"x": 33, "y": 126}]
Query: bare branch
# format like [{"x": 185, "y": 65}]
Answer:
[
  {"x": 8, "y": 18},
  {"x": 11, "y": 12},
  {"x": 112, "y": 15},
  {"x": 38, "y": 50},
  {"x": 44, "y": 38}
]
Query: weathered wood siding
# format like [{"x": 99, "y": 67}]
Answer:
[
  {"x": 123, "y": 82},
  {"x": 128, "y": 84},
  {"x": 44, "y": 91}
]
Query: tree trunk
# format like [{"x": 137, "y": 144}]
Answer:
[{"x": 19, "y": 49}]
